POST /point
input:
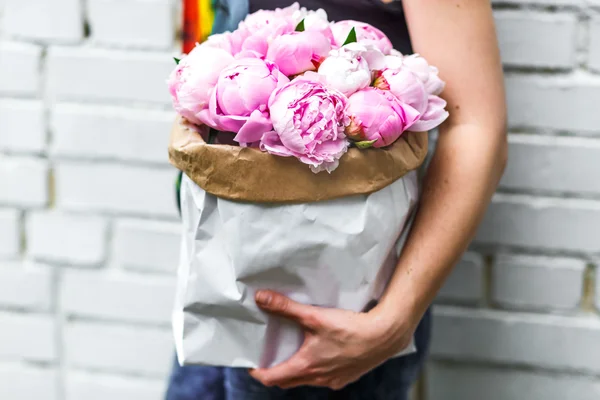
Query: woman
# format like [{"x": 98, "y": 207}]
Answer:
[{"x": 347, "y": 355}]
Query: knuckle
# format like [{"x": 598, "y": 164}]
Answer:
[
  {"x": 312, "y": 320},
  {"x": 281, "y": 303},
  {"x": 320, "y": 381},
  {"x": 303, "y": 365},
  {"x": 267, "y": 382},
  {"x": 311, "y": 370},
  {"x": 336, "y": 383}
]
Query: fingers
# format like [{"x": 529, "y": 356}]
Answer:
[
  {"x": 287, "y": 379},
  {"x": 276, "y": 303},
  {"x": 281, "y": 374},
  {"x": 317, "y": 381}
]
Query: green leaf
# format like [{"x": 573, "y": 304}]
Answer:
[
  {"x": 365, "y": 144},
  {"x": 351, "y": 37},
  {"x": 178, "y": 181},
  {"x": 177, "y": 60},
  {"x": 300, "y": 26},
  {"x": 178, "y": 191}
]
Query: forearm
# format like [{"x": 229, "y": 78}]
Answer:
[{"x": 457, "y": 188}]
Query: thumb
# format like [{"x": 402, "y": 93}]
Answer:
[{"x": 276, "y": 303}]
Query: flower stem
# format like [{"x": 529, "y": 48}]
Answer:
[{"x": 212, "y": 136}]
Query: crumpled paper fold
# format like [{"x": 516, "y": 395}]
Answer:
[{"x": 250, "y": 224}]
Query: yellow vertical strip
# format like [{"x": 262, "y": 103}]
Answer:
[{"x": 205, "y": 19}]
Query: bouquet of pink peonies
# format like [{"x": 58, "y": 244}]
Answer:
[
  {"x": 257, "y": 105},
  {"x": 292, "y": 84}
]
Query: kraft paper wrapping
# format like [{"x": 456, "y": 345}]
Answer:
[{"x": 230, "y": 172}]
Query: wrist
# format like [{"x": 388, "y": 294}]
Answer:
[
  {"x": 402, "y": 306},
  {"x": 395, "y": 323}
]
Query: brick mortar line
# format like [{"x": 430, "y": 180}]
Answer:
[
  {"x": 533, "y": 251},
  {"x": 550, "y": 195},
  {"x": 548, "y": 8},
  {"x": 91, "y": 160},
  {"x": 115, "y": 322},
  {"x": 55, "y": 310},
  {"x": 516, "y": 367},
  {"x": 122, "y": 374}
]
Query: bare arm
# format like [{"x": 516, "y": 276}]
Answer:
[
  {"x": 340, "y": 346},
  {"x": 458, "y": 37}
]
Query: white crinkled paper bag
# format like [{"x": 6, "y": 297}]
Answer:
[{"x": 336, "y": 253}]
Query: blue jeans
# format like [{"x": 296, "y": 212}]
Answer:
[{"x": 390, "y": 381}]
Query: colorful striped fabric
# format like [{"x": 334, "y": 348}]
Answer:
[{"x": 198, "y": 19}]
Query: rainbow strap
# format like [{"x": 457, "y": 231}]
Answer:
[{"x": 198, "y": 19}]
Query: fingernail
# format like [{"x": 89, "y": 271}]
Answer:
[{"x": 263, "y": 298}]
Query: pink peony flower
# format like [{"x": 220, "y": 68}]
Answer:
[
  {"x": 426, "y": 73},
  {"x": 433, "y": 116},
  {"x": 392, "y": 62},
  {"x": 405, "y": 86},
  {"x": 287, "y": 12},
  {"x": 231, "y": 42},
  {"x": 346, "y": 71},
  {"x": 298, "y": 52},
  {"x": 221, "y": 41},
  {"x": 308, "y": 122},
  {"x": 192, "y": 82},
  {"x": 415, "y": 84},
  {"x": 374, "y": 57},
  {"x": 378, "y": 115},
  {"x": 258, "y": 29},
  {"x": 239, "y": 102},
  {"x": 314, "y": 21},
  {"x": 365, "y": 34},
  {"x": 395, "y": 53},
  {"x": 263, "y": 18}
]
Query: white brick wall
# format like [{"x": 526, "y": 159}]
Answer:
[
  {"x": 43, "y": 20},
  {"x": 66, "y": 238},
  {"x": 28, "y": 382},
  {"x": 26, "y": 286},
  {"x": 114, "y": 188},
  {"x": 88, "y": 232},
  {"x": 146, "y": 246},
  {"x": 22, "y": 126},
  {"x": 118, "y": 296},
  {"x": 110, "y": 75},
  {"x": 119, "y": 348},
  {"x": 594, "y": 54},
  {"x": 466, "y": 282},
  {"x": 543, "y": 223},
  {"x": 10, "y": 233},
  {"x": 25, "y": 180},
  {"x": 19, "y": 68},
  {"x": 530, "y": 282},
  {"x": 537, "y": 39},
  {"x": 537, "y": 163},
  {"x": 89, "y": 235},
  {"x": 564, "y": 103},
  {"x": 517, "y": 319},
  {"x": 546, "y": 341},
  {"x": 111, "y": 133},
  {"x": 86, "y": 386},
  {"x": 132, "y": 23},
  {"x": 449, "y": 381},
  {"x": 30, "y": 337}
]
